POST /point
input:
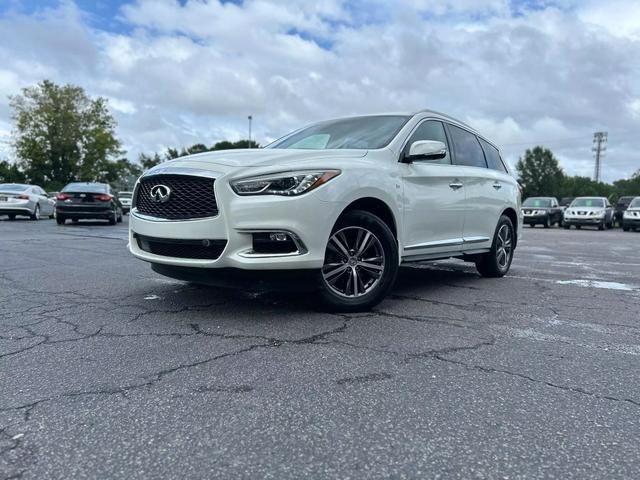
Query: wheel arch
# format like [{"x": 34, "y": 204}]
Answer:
[
  {"x": 377, "y": 207},
  {"x": 513, "y": 216}
]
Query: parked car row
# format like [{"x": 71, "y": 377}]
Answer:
[
  {"x": 76, "y": 201},
  {"x": 582, "y": 212}
]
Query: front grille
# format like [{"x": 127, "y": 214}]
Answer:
[
  {"x": 168, "y": 247},
  {"x": 190, "y": 197}
]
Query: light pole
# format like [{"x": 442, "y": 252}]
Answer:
[{"x": 250, "y": 117}]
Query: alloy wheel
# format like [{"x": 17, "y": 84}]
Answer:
[
  {"x": 354, "y": 262},
  {"x": 504, "y": 246}
]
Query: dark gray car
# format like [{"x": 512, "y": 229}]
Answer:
[{"x": 88, "y": 200}]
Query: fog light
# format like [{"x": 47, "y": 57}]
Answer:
[{"x": 273, "y": 243}]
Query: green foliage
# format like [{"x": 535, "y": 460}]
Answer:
[
  {"x": 10, "y": 173},
  {"x": 62, "y": 135},
  {"x": 539, "y": 173},
  {"x": 629, "y": 186},
  {"x": 584, "y": 186}
]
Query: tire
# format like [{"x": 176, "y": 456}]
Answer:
[
  {"x": 578, "y": 227},
  {"x": 532, "y": 225},
  {"x": 358, "y": 232},
  {"x": 601, "y": 225},
  {"x": 547, "y": 222},
  {"x": 12, "y": 216},
  {"x": 566, "y": 226},
  {"x": 497, "y": 261},
  {"x": 625, "y": 228},
  {"x": 75, "y": 220},
  {"x": 120, "y": 218},
  {"x": 60, "y": 220},
  {"x": 113, "y": 218},
  {"x": 36, "y": 213}
]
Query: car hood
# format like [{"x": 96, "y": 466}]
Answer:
[
  {"x": 231, "y": 160},
  {"x": 535, "y": 208}
]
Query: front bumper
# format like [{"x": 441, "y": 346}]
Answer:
[
  {"x": 307, "y": 217},
  {"x": 534, "y": 219},
  {"x": 633, "y": 221},
  {"x": 583, "y": 221}
]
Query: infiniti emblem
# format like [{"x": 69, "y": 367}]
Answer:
[{"x": 160, "y": 193}]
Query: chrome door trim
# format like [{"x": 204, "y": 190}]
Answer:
[{"x": 440, "y": 243}]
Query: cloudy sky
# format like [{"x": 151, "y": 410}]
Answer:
[{"x": 522, "y": 72}]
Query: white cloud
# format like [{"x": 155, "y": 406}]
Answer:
[{"x": 181, "y": 73}]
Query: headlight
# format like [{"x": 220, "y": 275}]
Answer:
[{"x": 286, "y": 184}]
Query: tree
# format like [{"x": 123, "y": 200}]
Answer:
[
  {"x": 62, "y": 135},
  {"x": 10, "y": 173},
  {"x": 539, "y": 173},
  {"x": 629, "y": 186}
]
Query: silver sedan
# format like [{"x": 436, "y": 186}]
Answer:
[{"x": 25, "y": 200}]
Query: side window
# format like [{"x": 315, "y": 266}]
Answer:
[
  {"x": 493, "y": 157},
  {"x": 430, "y": 130},
  {"x": 468, "y": 150}
]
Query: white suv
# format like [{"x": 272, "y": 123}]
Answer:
[{"x": 340, "y": 203}]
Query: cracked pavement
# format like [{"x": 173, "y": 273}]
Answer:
[{"x": 108, "y": 370}]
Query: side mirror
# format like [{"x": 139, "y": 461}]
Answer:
[{"x": 426, "y": 150}]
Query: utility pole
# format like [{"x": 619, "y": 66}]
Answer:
[
  {"x": 250, "y": 117},
  {"x": 599, "y": 151}
]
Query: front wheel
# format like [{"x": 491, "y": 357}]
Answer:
[
  {"x": 547, "y": 222},
  {"x": 360, "y": 264},
  {"x": 497, "y": 261},
  {"x": 625, "y": 228}
]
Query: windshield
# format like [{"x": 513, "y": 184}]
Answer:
[
  {"x": 635, "y": 203},
  {"x": 537, "y": 202},
  {"x": 124, "y": 194},
  {"x": 588, "y": 202},
  {"x": 14, "y": 187},
  {"x": 358, "y": 133},
  {"x": 624, "y": 200},
  {"x": 86, "y": 187}
]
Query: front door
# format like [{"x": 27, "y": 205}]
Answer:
[{"x": 433, "y": 199}]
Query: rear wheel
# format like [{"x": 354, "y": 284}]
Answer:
[
  {"x": 497, "y": 261},
  {"x": 36, "y": 213},
  {"x": 12, "y": 216},
  {"x": 360, "y": 265},
  {"x": 60, "y": 220},
  {"x": 113, "y": 218}
]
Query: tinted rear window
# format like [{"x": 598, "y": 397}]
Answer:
[
  {"x": 493, "y": 156},
  {"x": 86, "y": 187},
  {"x": 467, "y": 148}
]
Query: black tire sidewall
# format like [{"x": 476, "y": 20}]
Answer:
[
  {"x": 359, "y": 218},
  {"x": 487, "y": 265}
]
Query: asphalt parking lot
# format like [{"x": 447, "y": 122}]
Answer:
[{"x": 108, "y": 370}]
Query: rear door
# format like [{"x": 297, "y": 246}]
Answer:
[
  {"x": 433, "y": 198},
  {"x": 485, "y": 188}
]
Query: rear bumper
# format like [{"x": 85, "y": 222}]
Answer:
[
  {"x": 84, "y": 212},
  {"x": 15, "y": 211},
  {"x": 250, "y": 280}
]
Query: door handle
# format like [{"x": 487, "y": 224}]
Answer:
[
  {"x": 456, "y": 184},
  {"x": 497, "y": 185}
]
